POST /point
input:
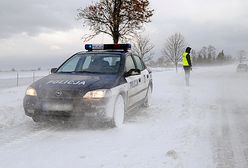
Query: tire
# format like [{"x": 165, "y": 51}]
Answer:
[
  {"x": 36, "y": 118},
  {"x": 147, "y": 102},
  {"x": 119, "y": 112}
]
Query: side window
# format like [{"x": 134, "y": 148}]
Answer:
[
  {"x": 129, "y": 63},
  {"x": 139, "y": 63}
]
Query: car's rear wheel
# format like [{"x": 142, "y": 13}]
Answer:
[
  {"x": 148, "y": 98},
  {"x": 119, "y": 111}
]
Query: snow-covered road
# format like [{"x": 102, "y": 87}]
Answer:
[{"x": 201, "y": 126}]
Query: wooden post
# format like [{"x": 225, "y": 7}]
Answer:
[
  {"x": 17, "y": 79},
  {"x": 33, "y": 76}
]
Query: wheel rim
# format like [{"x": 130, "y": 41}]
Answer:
[{"x": 119, "y": 112}]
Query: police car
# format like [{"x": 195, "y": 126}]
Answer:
[{"x": 103, "y": 82}]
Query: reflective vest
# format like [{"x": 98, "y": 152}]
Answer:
[{"x": 185, "y": 61}]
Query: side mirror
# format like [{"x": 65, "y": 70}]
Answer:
[
  {"x": 132, "y": 72},
  {"x": 53, "y": 70}
]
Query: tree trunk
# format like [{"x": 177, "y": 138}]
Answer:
[
  {"x": 116, "y": 21},
  {"x": 116, "y": 37}
]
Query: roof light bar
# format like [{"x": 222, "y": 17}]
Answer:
[{"x": 91, "y": 47}]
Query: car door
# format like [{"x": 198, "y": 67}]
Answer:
[
  {"x": 133, "y": 82},
  {"x": 144, "y": 77}
]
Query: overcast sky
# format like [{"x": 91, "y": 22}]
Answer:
[{"x": 36, "y": 33}]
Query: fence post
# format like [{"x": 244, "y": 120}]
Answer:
[
  {"x": 33, "y": 76},
  {"x": 17, "y": 79}
]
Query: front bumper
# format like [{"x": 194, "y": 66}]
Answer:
[{"x": 77, "y": 107}]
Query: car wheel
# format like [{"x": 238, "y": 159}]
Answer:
[
  {"x": 119, "y": 111},
  {"x": 148, "y": 97},
  {"x": 36, "y": 118}
]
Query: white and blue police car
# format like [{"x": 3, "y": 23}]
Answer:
[{"x": 105, "y": 81}]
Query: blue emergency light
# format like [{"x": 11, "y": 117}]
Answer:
[{"x": 91, "y": 47}]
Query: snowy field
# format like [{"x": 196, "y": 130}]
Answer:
[
  {"x": 201, "y": 126},
  {"x": 21, "y": 78}
]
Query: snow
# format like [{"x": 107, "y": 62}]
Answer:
[
  {"x": 11, "y": 110},
  {"x": 200, "y": 126}
]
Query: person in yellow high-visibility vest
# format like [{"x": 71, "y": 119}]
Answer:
[{"x": 187, "y": 66}]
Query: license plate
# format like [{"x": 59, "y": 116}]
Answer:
[{"x": 57, "y": 107}]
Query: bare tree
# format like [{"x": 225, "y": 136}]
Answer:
[
  {"x": 174, "y": 47},
  {"x": 161, "y": 61},
  {"x": 117, "y": 18},
  {"x": 143, "y": 47},
  {"x": 193, "y": 56},
  {"x": 211, "y": 53},
  {"x": 204, "y": 52}
]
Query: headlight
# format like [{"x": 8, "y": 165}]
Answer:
[
  {"x": 31, "y": 92},
  {"x": 96, "y": 94}
]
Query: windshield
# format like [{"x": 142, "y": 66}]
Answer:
[{"x": 92, "y": 63}]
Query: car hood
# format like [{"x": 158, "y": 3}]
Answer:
[{"x": 75, "y": 82}]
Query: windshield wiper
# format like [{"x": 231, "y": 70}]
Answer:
[
  {"x": 65, "y": 72},
  {"x": 84, "y": 71},
  {"x": 76, "y": 72},
  {"x": 94, "y": 72}
]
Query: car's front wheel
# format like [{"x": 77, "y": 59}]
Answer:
[
  {"x": 119, "y": 111},
  {"x": 36, "y": 118}
]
